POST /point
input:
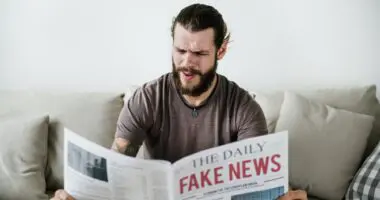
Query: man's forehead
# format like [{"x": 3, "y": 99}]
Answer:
[{"x": 200, "y": 40}]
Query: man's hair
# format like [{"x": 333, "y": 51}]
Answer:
[{"x": 198, "y": 17}]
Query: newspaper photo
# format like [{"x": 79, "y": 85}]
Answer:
[{"x": 255, "y": 168}]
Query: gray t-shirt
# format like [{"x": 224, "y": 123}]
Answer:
[{"x": 172, "y": 129}]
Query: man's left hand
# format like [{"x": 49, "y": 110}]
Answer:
[{"x": 294, "y": 195}]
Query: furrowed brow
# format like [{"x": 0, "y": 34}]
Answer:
[{"x": 193, "y": 51}]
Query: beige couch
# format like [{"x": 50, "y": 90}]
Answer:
[{"x": 329, "y": 134}]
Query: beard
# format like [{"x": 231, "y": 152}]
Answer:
[{"x": 205, "y": 80}]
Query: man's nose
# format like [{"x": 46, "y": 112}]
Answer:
[{"x": 189, "y": 59}]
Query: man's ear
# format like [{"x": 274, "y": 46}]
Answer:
[{"x": 222, "y": 50}]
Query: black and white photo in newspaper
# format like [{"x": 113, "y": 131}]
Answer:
[{"x": 94, "y": 172}]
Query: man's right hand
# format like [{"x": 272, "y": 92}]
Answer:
[
  {"x": 62, "y": 195},
  {"x": 120, "y": 145}
]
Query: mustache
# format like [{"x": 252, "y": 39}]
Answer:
[{"x": 190, "y": 70}]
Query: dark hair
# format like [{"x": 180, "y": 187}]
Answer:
[{"x": 197, "y": 17}]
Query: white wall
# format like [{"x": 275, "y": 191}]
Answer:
[{"x": 102, "y": 45}]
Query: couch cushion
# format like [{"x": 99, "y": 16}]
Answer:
[
  {"x": 360, "y": 99},
  {"x": 92, "y": 115},
  {"x": 325, "y": 145},
  {"x": 23, "y": 157},
  {"x": 366, "y": 184}
]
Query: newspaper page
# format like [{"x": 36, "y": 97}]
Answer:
[
  {"x": 255, "y": 168},
  {"x": 93, "y": 172}
]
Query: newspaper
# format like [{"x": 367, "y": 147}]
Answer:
[{"x": 255, "y": 168}]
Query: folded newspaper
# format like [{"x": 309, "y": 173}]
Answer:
[{"x": 255, "y": 168}]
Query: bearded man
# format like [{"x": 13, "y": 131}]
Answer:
[{"x": 192, "y": 108}]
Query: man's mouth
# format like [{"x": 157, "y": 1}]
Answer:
[{"x": 188, "y": 75}]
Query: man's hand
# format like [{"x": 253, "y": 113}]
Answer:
[
  {"x": 294, "y": 195},
  {"x": 62, "y": 195},
  {"x": 125, "y": 147},
  {"x": 120, "y": 145}
]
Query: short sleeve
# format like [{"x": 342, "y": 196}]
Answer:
[
  {"x": 136, "y": 117},
  {"x": 250, "y": 119}
]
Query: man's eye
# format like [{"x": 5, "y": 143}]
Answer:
[{"x": 201, "y": 54}]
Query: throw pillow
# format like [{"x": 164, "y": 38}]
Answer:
[
  {"x": 366, "y": 183},
  {"x": 359, "y": 99},
  {"x": 325, "y": 145},
  {"x": 23, "y": 157},
  {"x": 271, "y": 103},
  {"x": 93, "y": 115}
]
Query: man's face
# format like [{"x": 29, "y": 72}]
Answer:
[{"x": 194, "y": 60}]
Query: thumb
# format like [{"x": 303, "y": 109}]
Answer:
[{"x": 298, "y": 194}]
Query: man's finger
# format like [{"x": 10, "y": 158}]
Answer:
[
  {"x": 298, "y": 194},
  {"x": 62, "y": 195}
]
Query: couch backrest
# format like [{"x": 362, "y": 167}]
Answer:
[{"x": 94, "y": 115}]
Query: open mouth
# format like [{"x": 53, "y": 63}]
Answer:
[{"x": 188, "y": 75}]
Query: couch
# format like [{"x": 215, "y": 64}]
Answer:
[{"x": 332, "y": 131}]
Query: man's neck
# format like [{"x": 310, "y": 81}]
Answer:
[{"x": 196, "y": 101}]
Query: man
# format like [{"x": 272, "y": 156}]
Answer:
[{"x": 192, "y": 108}]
